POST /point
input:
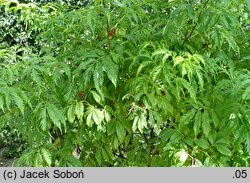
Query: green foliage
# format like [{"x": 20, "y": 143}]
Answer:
[
  {"x": 129, "y": 83},
  {"x": 11, "y": 144}
]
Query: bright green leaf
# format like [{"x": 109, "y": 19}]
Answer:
[
  {"x": 43, "y": 119},
  {"x": 89, "y": 120},
  {"x": 223, "y": 150},
  {"x": 97, "y": 97},
  {"x": 97, "y": 116},
  {"x": 47, "y": 157},
  {"x": 187, "y": 117},
  {"x": 71, "y": 114},
  {"x": 203, "y": 143},
  {"x": 79, "y": 110}
]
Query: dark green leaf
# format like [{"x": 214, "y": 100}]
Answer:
[
  {"x": 197, "y": 123},
  {"x": 55, "y": 115},
  {"x": 206, "y": 123},
  {"x": 120, "y": 131},
  {"x": 1, "y": 103},
  {"x": 111, "y": 69}
]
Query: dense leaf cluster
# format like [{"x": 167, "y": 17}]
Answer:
[
  {"x": 129, "y": 83},
  {"x": 11, "y": 144}
]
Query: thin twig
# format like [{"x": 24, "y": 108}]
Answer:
[{"x": 195, "y": 25}]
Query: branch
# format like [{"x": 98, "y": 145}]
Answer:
[
  {"x": 108, "y": 34},
  {"x": 188, "y": 35}
]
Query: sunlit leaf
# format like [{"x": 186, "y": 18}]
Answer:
[
  {"x": 97, "y": 116},
  {"x": 97, "y": 97},
  {"x": 79, "y": 110},
  {"x": 142, "y": 123},
  {"x": 135, "y": 123},
  {"x": 89, "y": 120},
  {"x": 71, "y": 114},
  {"x": 47, "y": 157}
]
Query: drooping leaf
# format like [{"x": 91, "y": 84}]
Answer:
[
  {"x": 186, "y": 118},
  {"x": 120, "y": 131},
  {"x": 98, "y": 77},
  {"x": 206, "y": 123},
  {"x": 189, "y": 88},
  {"x": 107, "y": 116},
  {"x": 116, "y": 142},
  {"x": 55, "y": 115},
  {"x": 97, "y": 97},
  {"x": 248, "y": 5},
  {"x": 97, "y": 116},
  {"x": 84, "y": 65},
  {"x": 246, "y": 94},
  {"x": 89, "y": 120},
  {"x": 127, "y": 140},
  {"x": 200, "y": 79},
  {"x": 87, "y": 77},
  {"x": 24, "y": 97},
  {"x": 197, "y": 123},
  {"x": 71, "y": 114},
  {"x": 47, "y": 157},
  {"x": 199, "y": 58},
  {"x": 79, "y": 110},
  {"x": 10, "y": 75},
  {"x": 111, "y": 69},
  {"x": 178, "y": 60},
  {"x": 18, "y": 100},
  {"x": 223, "y": 149},
  {"x": 91, "y": 20},
  {"x": 98, "y": 156},
  {"x": 215, "y": 119},
  {"x": 142, "y": 122},
  {"x": 105, "y": 154},
  {"x": 1, "y": 103},
  {"x": 135, "y": 123},
  {"x": 203, "y": 143},
  {"x": 143, "y": 65},
  {"x": 43, "y": 119}
]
